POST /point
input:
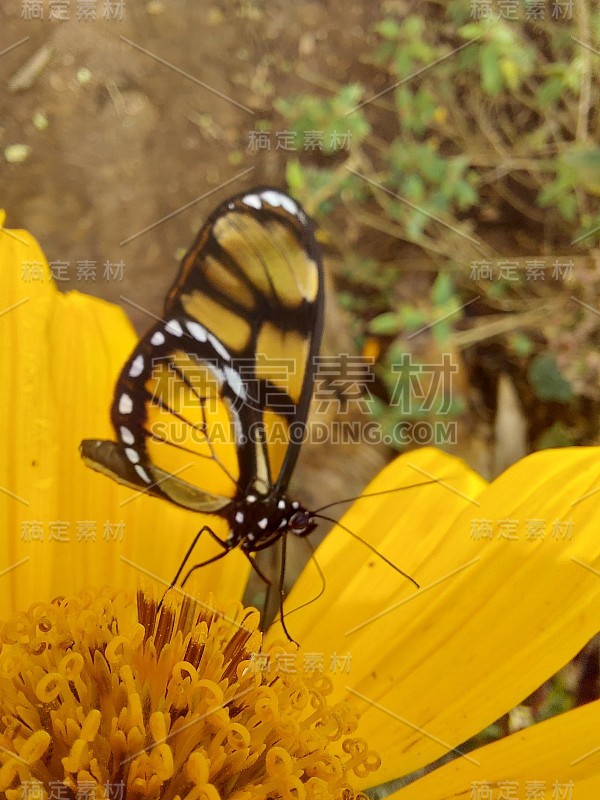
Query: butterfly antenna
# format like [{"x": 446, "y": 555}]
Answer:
[
  {"x": 282, "y": 593},
  {"x": 375, "y": 494},
  {"x": 369, "y": 546},
  {"x": 313, "y": 558}
]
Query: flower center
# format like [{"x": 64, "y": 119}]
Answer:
[{"x": 103, "y": 699}]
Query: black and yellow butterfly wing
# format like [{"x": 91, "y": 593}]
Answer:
[{"x": 211, "y": 405}]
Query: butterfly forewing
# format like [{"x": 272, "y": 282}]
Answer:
[{"x": 255, "y": 273}]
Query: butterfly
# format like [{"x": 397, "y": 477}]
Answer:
[{"x": 210, "y": 409}]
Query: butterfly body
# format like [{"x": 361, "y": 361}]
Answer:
[
  {"x": 257, "y": 522},
  {"x": 207, "y": 407}
]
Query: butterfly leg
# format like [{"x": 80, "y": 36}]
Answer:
[
  {"x": 281, "y": 591},
  {"x": 257, "y": 569},
  {"x": 189, "y": 572},
  {"x": 202, "y": 564},
  {"x": 269, "y": 583},
  {"x": 196, "y": 566},
  {"x": 191, "y": 550}
]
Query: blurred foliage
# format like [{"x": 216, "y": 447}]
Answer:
[
  {"x": 442, "y": 306},
  {"x": 467, "y": 131},
  {"x": 546, "y": 380},
  {"x": 495, "y": 110}
]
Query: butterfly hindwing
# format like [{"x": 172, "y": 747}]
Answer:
[{"x": 110, "y": 459}]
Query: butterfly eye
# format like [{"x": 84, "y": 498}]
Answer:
[{"x": 301, "y": 523}]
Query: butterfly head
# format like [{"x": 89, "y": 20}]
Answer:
[{"x": 301, "y": 523}]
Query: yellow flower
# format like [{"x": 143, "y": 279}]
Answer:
[{"x": 510, "y": 592}]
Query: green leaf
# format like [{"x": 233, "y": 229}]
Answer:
[
  {"x": 550, "y": 91},
  {"x": 387, "y": 324},
  {"x": 520, "y": 344},
  {"x": 546, "y": 381},
  {"x": 413, "y": 188},
  {"x": 412, "y": 318},
  {"x": 585, "y": 165},
  {"x": 491, "y": 76},
  {"x": 388, "y": 28},
  {"x": 442, "y": 331},
  {"x": 294, "y": 175},
  {"x": 557, "y": 435},
  {"x": 442, "y": 291},
  {"x": 465, "y": 195}
]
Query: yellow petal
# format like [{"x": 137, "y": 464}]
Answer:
[
  {"x": 61, "y": 355},
  {"x": 493, "y": 618},
  {"x": 404, "y": 526},
  {"x": 559, "y": 758}
]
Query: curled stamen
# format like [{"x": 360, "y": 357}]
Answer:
[{"x": 126, "y": 699}]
